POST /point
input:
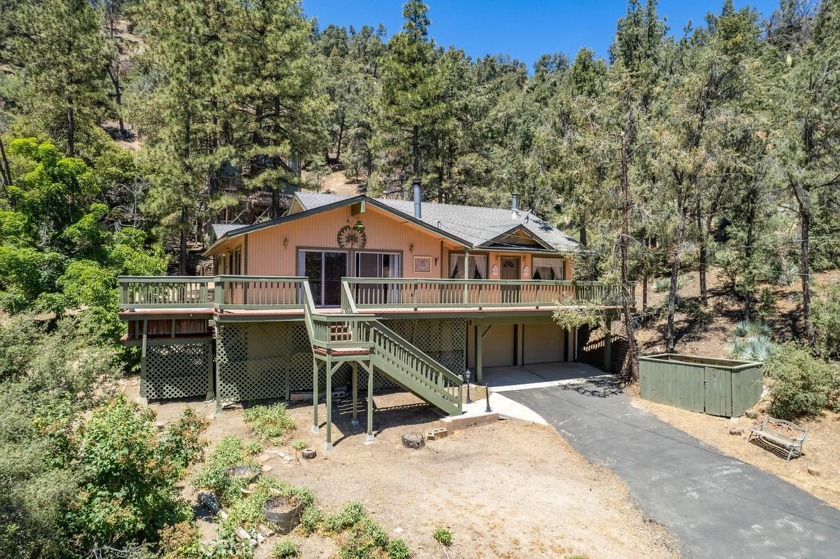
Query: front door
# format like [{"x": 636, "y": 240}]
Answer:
[
  {"x": 324, "y": 270},
  {"x": 510, "y": 271}
]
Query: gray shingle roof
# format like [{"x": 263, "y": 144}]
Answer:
[
  {"x": 474, "y": 224},
  {"x": 220, "y": 229}
]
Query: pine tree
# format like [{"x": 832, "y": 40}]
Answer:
[{"x": 57, "y": 48}]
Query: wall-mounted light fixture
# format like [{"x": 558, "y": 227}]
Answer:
[
  {"x": 411, "y": 247},
  {"x": 286, "y": 242}
]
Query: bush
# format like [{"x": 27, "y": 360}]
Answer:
[
  {"x": 285, "y": 548},
  {"x": 311, "y": 519},
  {"x": 352, "y": 513},
  {"x": 270, "y": 423},
  {"x": 804, "y": 385},
  {"x": 827, "y": 323},
  {"x": 230, "y": 451},
  {"x": 751, "y": 341},
  {"x": 397, "y": 549},
  {"x": 129, "y": 489},
  {"x": 443, "y": 535}
]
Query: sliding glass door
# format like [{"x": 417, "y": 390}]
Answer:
[
  {"x": 324, "y": 270},
  {"x": 377, "y": 265}
]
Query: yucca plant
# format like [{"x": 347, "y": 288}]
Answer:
[
  {"x": 742, "y": 329},
  {"x": 752, "y": 341}
]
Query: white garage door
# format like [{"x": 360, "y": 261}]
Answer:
[
  {"x": 543, "y": 343},
  {"x": 498, "y": 346}
]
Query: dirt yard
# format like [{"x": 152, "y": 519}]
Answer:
[
  {"x": 508, "y": 489},
  {"x": 821, "y": 452}
]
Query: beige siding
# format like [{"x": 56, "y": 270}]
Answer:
[{"x": 270, "y": 255}]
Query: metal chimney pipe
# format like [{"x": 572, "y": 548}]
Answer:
[
  {"x": 514, "y": 210},
  {"x": 418, "y": 211}
]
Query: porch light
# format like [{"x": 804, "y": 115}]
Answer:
[
  {"x": 359, "y": 226},
  {"x": 286, "y": 242}
]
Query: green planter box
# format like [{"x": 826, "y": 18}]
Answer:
[{"x": 723, "y": 387}]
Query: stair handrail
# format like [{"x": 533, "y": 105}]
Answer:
[
  {"x": 420, "y": 354},
  {"x": 348, "y": 302}
]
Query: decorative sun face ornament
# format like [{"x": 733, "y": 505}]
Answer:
[{"x": 351, "y": 237}]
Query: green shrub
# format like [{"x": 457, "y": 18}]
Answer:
[
  {"x": 443, "y": 535},
  {"x": 397, "y": 549},
  {"x": 311, "y": 519},
  {"x": 230, "y": 451},
  {"x": 270, "y": 423},
  {"x": 129, "y": 487},
  {"x": 285, "y": 548},
  {"x": 804, "y": 385},
  {"x": 827, "y": 323},
  {"x": 352, "y": 513},
  {"x": 752, "y": 341}
]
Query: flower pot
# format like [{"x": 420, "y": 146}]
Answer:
[
  {"x": 282, "y": 512},
  {"x": 246, "y": 473}
]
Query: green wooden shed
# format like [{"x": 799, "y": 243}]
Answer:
[{"x": 723, "y": 387}]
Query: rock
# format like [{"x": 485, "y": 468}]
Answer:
[
  {"x": 266, "y": 468},
  {"x": 309, "y": 453},
  {"x": 752, "y": 414},
  {"x": 737, "y": 431},
  {"x": 814, "y": 471},
  {"x": 413, "y": 440},
  {"x": 209, "y": 500}
]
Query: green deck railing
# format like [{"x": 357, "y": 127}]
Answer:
[
  {"x": 361, "y": 294},
  {"x": 218, "y": 292},
  {"x": 373, "y": 293}
]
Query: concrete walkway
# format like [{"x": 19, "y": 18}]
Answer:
[{"x": 714, "y": 505}]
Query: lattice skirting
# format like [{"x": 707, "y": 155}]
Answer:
[
  {"x": 177, "y": 370},
  {"x": 270, "y": 360},
  {"x": 443, "y": 339}
]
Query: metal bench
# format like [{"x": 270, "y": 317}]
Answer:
[{"x": 782, "y": 433}]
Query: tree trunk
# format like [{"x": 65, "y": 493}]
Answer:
[
  {"x": 804, "y": 259},
  {"x": 115, "y": 81},
  {"x": 185, "y": 223},
  {"x": 644, "y": 292},
  {"x": 625, "y": 237},
  {"x": 675, "y": 272},
  {"x": 340, "y": 140},
  {"x": 5, "y": 174},
  {"x": 71, "y": 129},
  {"x": 704, "y": 259}
]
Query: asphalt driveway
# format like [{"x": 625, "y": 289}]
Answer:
[{"x": 714, "y": 505}]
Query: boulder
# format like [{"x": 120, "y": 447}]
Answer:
[{"x": 413, "y": 440}]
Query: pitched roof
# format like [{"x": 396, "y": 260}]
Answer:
[
  {"x": 479, "y": 226},
  {"x": 470, "y": 225}
]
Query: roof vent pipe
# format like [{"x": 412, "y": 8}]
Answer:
[
  {"x": 418, "y": 212},
  {"x": 514, "y": 209}
]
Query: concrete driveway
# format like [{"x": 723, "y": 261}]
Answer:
[{"x": 715, "y": 506}]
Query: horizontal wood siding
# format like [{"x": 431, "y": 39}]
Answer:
[{"x": 268, "y": 256}]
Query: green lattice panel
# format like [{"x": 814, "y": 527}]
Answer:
[
  {"x": 444, "y": 340},
  {"x": 253, "y": 361},
  {"x": 179, "y": 370}
]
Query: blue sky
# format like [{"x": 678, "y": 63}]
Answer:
[{"x": 523, "y": 29}]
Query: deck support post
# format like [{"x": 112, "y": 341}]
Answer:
[
  {"x": 608, "y": 345},
  {"x": 479, "y": 358},
  {"x": 369, "y": 439},
  {"x": 328, "y": 445},
  {"x": 354, "y": 381},
  {"x": 314, "y": 394},
  {"x": 466, "y": 275}
]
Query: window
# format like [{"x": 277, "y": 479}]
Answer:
[
  {"x": 236, "y": 268},
  {"x": 478, "y": 266},
  {"x": 377, "y": 265},
  {"x": 324, "y": 270},
  {"x": 548, "y": 268}
]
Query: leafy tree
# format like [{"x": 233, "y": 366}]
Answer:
[{"x": 806, "y": 129}]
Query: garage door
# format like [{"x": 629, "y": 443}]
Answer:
[
  {"x": 543, "y": 343},
  {"x": 498, "y": 346}
]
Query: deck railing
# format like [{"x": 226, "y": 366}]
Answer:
[
  {"x": 219, "y": 292},
  {"x": 373, "y": 293},
  {"x": 361, "y": 294}
]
